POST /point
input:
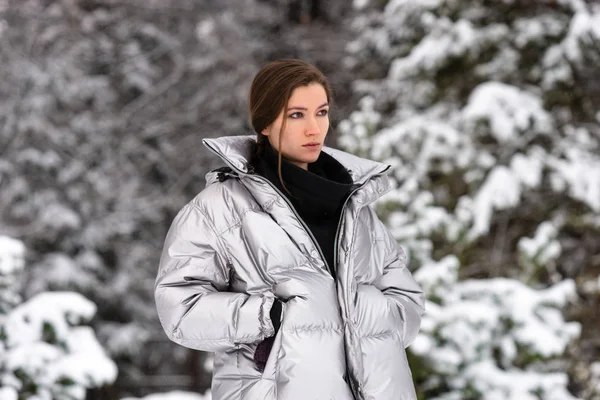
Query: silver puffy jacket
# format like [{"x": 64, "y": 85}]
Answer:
[{"x": 239, "y": 244}]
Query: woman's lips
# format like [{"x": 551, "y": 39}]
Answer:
[{"x": 311, "y": 146}]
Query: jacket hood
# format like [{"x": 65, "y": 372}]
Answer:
[{"x": 235, "y": 151}]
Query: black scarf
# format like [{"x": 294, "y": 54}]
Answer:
[{"x": 318, "y": 193}]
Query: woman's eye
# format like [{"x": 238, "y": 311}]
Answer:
[{"x": 297, "y": 115}]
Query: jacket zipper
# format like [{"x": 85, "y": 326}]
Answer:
[
  {"x": 337, "y": 232},
  {"x": 355, "y": 386}
]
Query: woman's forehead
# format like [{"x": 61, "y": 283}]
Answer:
[{"x": 311, "y": 96}]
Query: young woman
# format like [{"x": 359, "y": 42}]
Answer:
[{"x": 282, "y": 268}]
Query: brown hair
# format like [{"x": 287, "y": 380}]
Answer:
[{"x": 270, "y": 92}]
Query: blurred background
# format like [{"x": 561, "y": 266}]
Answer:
[{"x": 488, "y": 111}]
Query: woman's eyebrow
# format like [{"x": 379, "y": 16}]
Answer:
[{"x": 304, "y": 108}]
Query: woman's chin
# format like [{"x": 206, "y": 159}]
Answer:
[
  {"x": 304, "y": 158},
  {"x": 310, "y": 160}
]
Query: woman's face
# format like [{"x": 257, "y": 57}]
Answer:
[{"x": 307, "y": 122}]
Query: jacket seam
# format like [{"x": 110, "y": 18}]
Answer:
[
  {"x": 211, "y": 225},
  {"x": 222, "y": 340},
  {"x": 238, "y": 221},
  {"x": 396, "y": 254},
  {"x": 204, "y": 339},
  {"x": 267, "y": 206},
  {"x": 261, "y": 316},
  {"x": 389, "y": 332},
  {"x": 313, "y": 329}
]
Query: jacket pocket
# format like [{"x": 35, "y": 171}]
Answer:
[
  {"x": 270, "y": 369},
  {"x": 374, "y": 313}
]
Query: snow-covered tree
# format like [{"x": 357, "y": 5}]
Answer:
[
  {"x": 489, "y": 113},
  {"x": 12, "y": 262},
  {"x": 47, "y": 349},
  {"x": 103, "y": 113},
  {"x": 490, "y": 338},
  {"x": 177, "y": 395},
  {"x": 103, "y": 108}
]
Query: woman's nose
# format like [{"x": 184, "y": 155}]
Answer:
[{"x": 312, "y": 127}]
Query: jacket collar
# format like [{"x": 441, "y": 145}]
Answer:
[
  {"x": 317, "y": 192},
  {"x": 235, "y": 152}
]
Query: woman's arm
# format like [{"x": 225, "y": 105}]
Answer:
[
  {"x": 192, "y": 301},
  {"x": 399, "y": 286}
]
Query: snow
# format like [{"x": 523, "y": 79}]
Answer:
[
  {"x": 499, "y": 141},
  {"x": 84, "y": 350},
  {"x": 542, "y": 248},
  {"x": 125, "y": 339},
  {"x": 442, "y": 274},
  {"x": 47, "y": 160},
  {"x": 580, "y": 171},
  {"x": 584, "y": 29},
  {"x": 556, "y": 68},
  {"x": 26, "y": 321},
  {"x": 44, "y": 340},
  {"x": 477, "y": 316},
  {"x": 539, "y": 325},
  {"x": 528, "y": 168},
  {"x": 176, "y": 395},
  {"x": 363, "y": 123},
  {"x": 399, "y": 6},
  {"x": 205, "y": 29},
  {"x": 360, "y": 4},
  {"x": 510, "y": 112},
  {"x": 58, "y": 216},
  {"x": 8, "y": 393},
  {"x": 501, "y": 190},
  {"x": 63, "y": 271},
  {"x": 429, "y": 144},
  {"x": 57, "y": 312},
  {"x": 502, "y": 66},
  {"x": 12, "y": 253},
  {"x": 537, "y": 29},
  {"x": 12, "y": 263},
  {"x": 422, "y": 218},
  {"x": 516, "y": 384},
  {"x": 448, "y": 40}
]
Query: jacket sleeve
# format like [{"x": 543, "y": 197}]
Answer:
[
  {"x": 192, "y": 301},
  {"x": 399, "y": 286}
]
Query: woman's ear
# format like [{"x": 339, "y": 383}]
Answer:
[{"x": 266, "y": 132}]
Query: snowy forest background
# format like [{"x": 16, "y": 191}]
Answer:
[{"x": 489, "y": 112}]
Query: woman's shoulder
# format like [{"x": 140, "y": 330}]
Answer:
[{"x": 223, "y": 190}]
